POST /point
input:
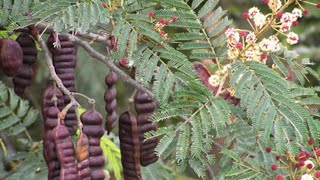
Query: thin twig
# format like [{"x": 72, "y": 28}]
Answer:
[
  {"x": 53, "y": 73},
  {"x": 106, "y": 60},
  {"x": 223, "y": 80},
  {"x": 122, "y": 75}
]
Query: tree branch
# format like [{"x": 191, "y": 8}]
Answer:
[
  {"x": 53, "y": 73},
  {"x": 106, "y": 60}
]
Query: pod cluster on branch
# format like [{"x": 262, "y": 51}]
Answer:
[
  {"x": 64, "y": 60},
  {"x": 86, "y": 161},
  {"x": 136, "y": 151}
]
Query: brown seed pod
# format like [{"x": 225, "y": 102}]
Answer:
[
  {"x": 110, "y": 98},
  {"x": 92, "y": 127},
  {"x": 84, "y": 171},
  {"x": 49, "y": 148},
  {"x": 66, "y": 154},
  {"x": 145, "y": 107},
  {"x": 52, "y": 96},
  {"x": 29, "y": 48},
  {"x": 82, "y": 155},
  {"x": 22, "y": 79},
  {"x": 10, "y": 57},
  {"x": 129, "y": 139},
  {"x": 65, "y": 60}
]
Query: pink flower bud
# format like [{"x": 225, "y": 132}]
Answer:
[
  {"x": 245, "y": 15},
  {"x": 174, "y": 18},
  {"x": 151, "y": 14}
]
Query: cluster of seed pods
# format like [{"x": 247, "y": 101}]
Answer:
[
  {"x": 135, "y": 150},
  {"x": 52, "y": 102},
  {"x": 92, "y": 127},
  {"x": 65, "y": 60},
  {"x": 26, "y": 72},
  {"x": 110, "y": 98},
  {"x": 84, "y": 163}
]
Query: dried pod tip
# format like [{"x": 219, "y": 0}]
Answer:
[{"x": 82, "y": 150}]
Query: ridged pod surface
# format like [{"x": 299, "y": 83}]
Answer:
[
  {"x": 66, "y": 153},
  {"x": 92, "y": 127},
  {"x": 10, "y": 57},
  {"x": 25, "y": 75},
  {"x": 145, "y": 106},
  {"x": 49, "y": 147},
  {"x": 110, "y": 98},
  {"x": 52, "y": 96},
  {"x": 129, "y": 146},
  {"x": 82, "y": 156},
  {"x": 65, "y": 60}
]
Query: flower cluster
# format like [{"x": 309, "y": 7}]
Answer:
[
  {"x": 161, "y": 23},
  {"x": 215, "y": 79},
  {"x": 249, "y": 45},
  {"x": 303, "y": 166}
]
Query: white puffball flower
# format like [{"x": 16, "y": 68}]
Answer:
[
  {"x": 265, "y": 44},
  {"x": 288, "y": 18},
  {"x": 274, "y": 5},
  {"x": 214, "y": 80},
  {"x": 259, "y": 20},
  {"x": 233, "y": 53},
  {"x": 292, "y": 38},
  {"x": 253, "y": 12},
  {"x": 306, "y": 177},
  {"x": 251, "y": 37},
  {"x": 297, "y": 12}
]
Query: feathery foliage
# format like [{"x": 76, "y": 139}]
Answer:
[
  {"x": 32, "y": 165},
  {"x": 63, "y": 15},
  {"x": 15, "y": 114}
]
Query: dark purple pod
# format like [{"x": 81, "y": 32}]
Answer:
[
  {"x": 84, "y": 171},
  {"x": 142, "y": 97},
  {"x": 91, "y": 117},
  {"x": 111, "y": 79},
  {"x": 52, "y": 96},
  {"x": 110, "y": 95},
  {"x": 66, "y": 153},
  {"x": 64, "y": 60},
  {"x": 22, "y": 79},
  {"x": 129, "y": 137},
  {"x": 145, "y": 107},
  {"x": 92, "y": 127},
  {"x": 10, "y": 57},
  {"x": 49, "y": 147},
  {"x": 111, "y": 106}
]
